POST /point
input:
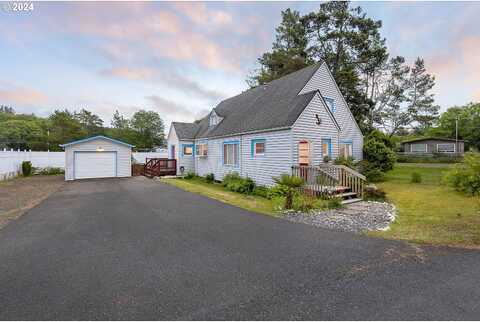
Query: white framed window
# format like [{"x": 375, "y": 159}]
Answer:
[
  {"x": 346, "y": 149},
  {"x": 202, "y": 150},
  {"x": 446, "y": 147},
  {"x": 230, "y": 153},
  {"x": 258, "y": 147},
  {"x": 418, "y": 148},
  {"x": 188, "y": 149}
]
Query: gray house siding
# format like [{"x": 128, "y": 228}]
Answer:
[
  {"x": 323, "y": 81},
  {"x": 275, "y": 161},
  {"x": 305, "y": 128},
  {"x": 431, "y": 146},
  {"x": 124, "y": 156},
  {"x": 213, "y": 163},
  {"x": 188, "y": 162}
]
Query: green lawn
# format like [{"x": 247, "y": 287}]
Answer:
[
  {"x": 429, "y": 212},
  {"x": 218, "y": 192}
]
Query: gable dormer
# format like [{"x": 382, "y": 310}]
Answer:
[{"x": 213, "y": 119}]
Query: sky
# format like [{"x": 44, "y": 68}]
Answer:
[{"x": 182, "y": 58}]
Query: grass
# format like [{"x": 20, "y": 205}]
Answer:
[
  {"x": 218, "y": 192},
  {"x": 430, "y": 212}
]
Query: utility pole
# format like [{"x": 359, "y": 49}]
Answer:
[{"x": 456, "y": 135}]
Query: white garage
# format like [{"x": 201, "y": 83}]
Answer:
[{"x": 97, "y": 157}]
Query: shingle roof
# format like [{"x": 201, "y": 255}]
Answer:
[
  {"x": 432, "y": 138},
  {"x": 185, "y": 131},
  {"x": 274, "y": 105},
  {"x": 96, "y": 137}
]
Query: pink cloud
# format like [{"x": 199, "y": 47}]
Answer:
[
  {"x": 200, "y": 14},
  {"x": 129, "y": 73},
  {"x": 16, "y": 95}
]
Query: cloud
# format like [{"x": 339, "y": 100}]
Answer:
[
  {"x": 170, "y": 78},
  {"x": 173, "y": 111},
  {"x": 201, "y": 15},
  {"x": 16, "y": 95}
]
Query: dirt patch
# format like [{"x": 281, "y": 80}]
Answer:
[{"x": 21, "y": 194}]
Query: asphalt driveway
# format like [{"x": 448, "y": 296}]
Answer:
[{"x": 137, "y": 249}]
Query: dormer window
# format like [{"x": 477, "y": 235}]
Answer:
[{"x": 214, "y": 119}]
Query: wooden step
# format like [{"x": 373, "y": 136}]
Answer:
[
  {"x": 349, "y": 201},
  {"x": 346, "y": 195}
]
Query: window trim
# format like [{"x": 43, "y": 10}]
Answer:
[
  {"x": 330, "y": 148},
  {"x": 345, "y": 142},
  {"x": 411, "y": 148},
  {"x": 237, "y": 143},
  {"x": 253, "y": 147},
  {"x": 198, "y": 152},
  {"x": 454, "y": 148},
  {"x": 192, "y": 146},
  {"x": 332, "y": 100}
]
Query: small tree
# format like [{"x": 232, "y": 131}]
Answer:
[
  {"x": 465, "y": 177},
  {"x": 290, "y": 183}
]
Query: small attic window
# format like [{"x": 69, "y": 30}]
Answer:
[{"x": 213, "y": 119}]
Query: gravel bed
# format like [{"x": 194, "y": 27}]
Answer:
[{"x": 357, "y": 217}]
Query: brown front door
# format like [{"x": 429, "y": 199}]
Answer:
[{"x": 304, "y": 153}]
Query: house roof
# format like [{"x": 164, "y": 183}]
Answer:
[
  {"x": 271, "y": 106},
  {"x": 96, "y": 137},
  {"x": 432, "y": 138},
  {"x": 185, "y": 131}
]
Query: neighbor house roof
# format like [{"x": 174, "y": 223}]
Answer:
[
  {"x": 431, "y": 138},
  {"x": 274, "y": 105},
  {"x": 96, "y": 137}
]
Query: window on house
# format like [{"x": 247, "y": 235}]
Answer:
[
  {"x": 258, "y": 147},
  {"x": 446, "y": 148},
  {"x": 326, "y": 147},
  {"x": 213, "y": 120},
  {"x": 418, "y": 147},
  {"x": 202, "y": 150},
  {"x": 330, "y": 103},
  {"x": 230, "y": 153},
  {"x": 346, "y": 149},
  {"x": 188, "y": 149}
]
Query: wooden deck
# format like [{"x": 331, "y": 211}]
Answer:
[{"x": 157, "y": 167}]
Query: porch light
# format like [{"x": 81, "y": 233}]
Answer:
[{"x": 100, "y": 149}]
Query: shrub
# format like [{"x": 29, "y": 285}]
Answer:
[
  {"x": 235, "y": 183},
  {"x": 378, "y": 155},
  {"x": 371, "y": 192},
  {"x": 290, "y": 183},
  {"x": 209, "y": 178},
  {"x": 303, "y": 203},
  {"x": 277, "y": 191},
  {"x": 51, "y": 171},
  {"x": 261, "y": 191},
  {"x": 374, "y": 175},
  {"x": 327, "y": 159},
  {"x": 190, "y": 175},
  {"x": 465, "y": 177},
  {"x": 416, "y": 177},
  {"x": 26, "y": 168},
  {"x": 348, "y": 161}
]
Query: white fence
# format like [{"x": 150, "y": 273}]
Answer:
[{"x": 11, "y": 161}]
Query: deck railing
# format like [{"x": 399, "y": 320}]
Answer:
[
  {"x": 327, "y": 179},
  {"x": 156, "y": 167}
]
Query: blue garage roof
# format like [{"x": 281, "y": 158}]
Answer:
[{"x": 95, "y": 138}]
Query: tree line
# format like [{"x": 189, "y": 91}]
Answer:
[{"x": 144, "y": 130}]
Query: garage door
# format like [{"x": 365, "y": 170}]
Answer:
[{"x": 95, "y": 165}]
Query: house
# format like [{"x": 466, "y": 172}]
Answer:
[
  {"x": 298, "y": 119},
  {"x": 97, "y": 157},
  {"x": 431, "y": 145}
]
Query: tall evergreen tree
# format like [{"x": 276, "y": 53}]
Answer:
[
  {"x": 420, "y": 99},
  {"x": 119, "y": 121},
  {"x": 91, "y": 123}
]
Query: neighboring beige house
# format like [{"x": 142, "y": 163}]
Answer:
[{"x": 433, "y": 145}]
